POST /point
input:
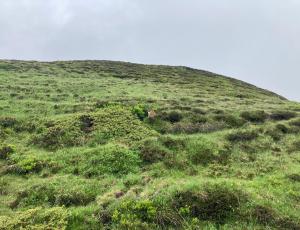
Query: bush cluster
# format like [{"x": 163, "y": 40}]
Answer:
[
  {"x": 282, "y": 115},
  {"x": 202, "y": 151},
  {"x": 230, "y": 120},
  {"x": 216, "y": 202},
  {"x": 135, "y": 214},
  {"x": 152, "y": 151},
  {"x": 59, "y": 135},
  {"x": 110, "y": 159},
  {"x": 255, "y": 116},
  {"x": 141, "y": 111},
  {"x": 8, "y": 122},
  {"x": 36, "y": 218},
  {"x": 242, "y": 135}
]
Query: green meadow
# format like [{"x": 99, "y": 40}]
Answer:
[{"x": 115, "y": 145}]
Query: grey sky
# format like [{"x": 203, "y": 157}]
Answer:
[{"x": 257, "y": 41}]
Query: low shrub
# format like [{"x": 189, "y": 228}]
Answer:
[
  {"x": 242, "y": 135},
  {"x": 141, "y": 111},
  {"x": 111, "y": 159},
  {"x": 172, "y": 143},
  {"x": 255, "y": 116},
  {"x": 174, "y": 116},
  {"x": 190, "y": 128},
  {"x": 8, "y": 122},
  {"x": 215, "y": 202},
  {"x": 282, "y": 128},
  {"x": 25, "y": 164},
  {"x": 37, "y": 218},
  {"x": 59, "y": 135},
  {"x": 202, "y": 151},
  {"x": 230, "y": 120},
  {"x": 269, "y": 217},
  {"x": 57, "y": 192},
  {"x": 28, "y": 165},
  {"x": 282, "y": 115},
  {"x": 86, "y": 123},
  {"x": 275, "y": 133},
  {"x": 5, "y": 151},
  {"x": 152, "y": 151},
  {"x": 135, "y": 214}
]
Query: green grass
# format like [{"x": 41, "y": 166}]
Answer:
[{"x": 78, "y": 149}]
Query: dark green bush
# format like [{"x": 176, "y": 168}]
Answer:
[
  {"x": 172, "y": 143},
  {"x": 269, "y": 217},
  {"x": 215, "y": 202},
  {"x": 242, "y": 135},
  {"x": 5, "y": 151},
  {"x": 73, "y": 198},
  {"x": 53, "y": 194},
  {"x": 174, "y": 116},
  {"x": 230, "y": 120},
  {"x": 282, "y": 115},
  {"x": 152, "y": 151},
  {"x": 254, "y": 116},
  {"x": 86, "y": 123},
  {"x": 59, "y": 135},
  {"x": 8, "y": 122}
]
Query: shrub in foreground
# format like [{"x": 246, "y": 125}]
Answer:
[
  {"x": 216, "y": 202},
  {"x": 37, "y": 218},
  {"x": 269, "y": 217}
]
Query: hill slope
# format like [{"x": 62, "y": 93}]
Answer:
[{"x": 113, "y": 145}]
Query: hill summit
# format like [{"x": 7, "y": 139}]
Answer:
[{"x": 115, "y": 145}]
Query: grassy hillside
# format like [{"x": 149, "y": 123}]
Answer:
[{"x": 112, "y": 145}]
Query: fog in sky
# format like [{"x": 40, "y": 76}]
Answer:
[{"x": 257, "y": 41}]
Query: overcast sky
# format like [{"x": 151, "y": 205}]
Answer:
[{"x": 257, "y": 41}]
